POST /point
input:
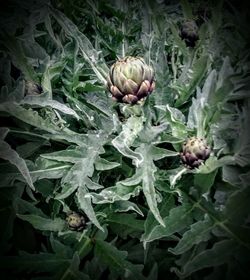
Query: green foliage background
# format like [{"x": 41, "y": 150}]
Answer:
[{"x": 71, "y": 148}]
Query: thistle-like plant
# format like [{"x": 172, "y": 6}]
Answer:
[{"x": 140, "y": 213}]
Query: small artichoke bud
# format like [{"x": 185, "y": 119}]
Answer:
[
  {"x": 195, "y": 152},
  {"x": 75, "y": 221},
  {"x": 32, "y": 88},
  {"x": 189, "y": 33},
  {"x": 130, "y": 79}
]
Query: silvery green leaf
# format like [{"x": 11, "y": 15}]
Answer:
[
  {"x": 212, "y": 163},
  {"x": 29, "y": 116},
  {"x": 125, "y": 139},
  {"x": 112, "y": 194},
  {"x": 103, "y": 164},
  {"x": 43, "y": 223},
  {"x": 7, "y": 153},
  {"x": 179, "y": 218},
  {"x": 125, "y": 206},
  {"x": 159, "y": 153},
  {"x": 148, "y": 169},
  {"x": 176, "y": 119},
  {"x": 198, "y": 232},
  {"x": 85, "y": 204},
  {"x": 43, "y": 101}
]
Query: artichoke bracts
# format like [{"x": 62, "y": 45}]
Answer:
[
  {"x": 189, "y": 32},
  {"x": 130, "y": 80},
  {"x": 195, "y": 152},
  {"x": 75, "y": 221}
]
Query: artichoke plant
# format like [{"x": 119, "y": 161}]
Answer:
[
  {"x": 195, "y": 151},
  {"x": 189, "y": 32},
  {"x": 130, "y": 79}
]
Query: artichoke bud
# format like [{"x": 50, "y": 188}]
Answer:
[
  {"x": 32, "y": 88},
  {"x": 130, "y": 79},
  {"x": 195, "y": 151},
  {"x": 189, "y": 32},
  {"x": 75, "y": 221}
]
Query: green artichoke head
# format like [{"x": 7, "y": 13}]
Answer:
[
  {"x": 195, "y": 151},
  {"x": 130, "y": 79}
]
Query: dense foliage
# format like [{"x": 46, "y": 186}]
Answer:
[{"x": 95, "y": 189}]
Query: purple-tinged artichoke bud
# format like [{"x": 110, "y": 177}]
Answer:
[
  {"x": 189, "y": 33},
  {"x": 130, "y": 79},
  {"x": 195, "y": 151}
]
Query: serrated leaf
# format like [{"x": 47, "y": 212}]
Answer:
[
  {"x": 29, "y": 116},
  {"x": 103, "y": 164},
  {"x": 125, "y": 224},
  {"x": 72, "y": 272},
  {"x": 92, "y": 185},
  {"x": 69, "y": 155},
  {"x": 85, "y": 204},
  {"x": 196, "y": 114},
  {"x": 24, "y": 207},
  {"x": 125, "y": 206},
  {"x": 53, "y": 172},
  {"x": 79, "y": 173},
  {"x": 125, "y": 139},
  {"x": 148, "y": 169},
  {"x": 112, "y": 194},
  {"x": 186, "y": 85},
  {"x": 178, "y": 218},
  {"x": 28, "y": 149},
  {"x": 159, "y": 153},
  {"x": 212, "y": 163},
  {"x": 43, "y": 223},
  {"x": 204, "y": 181},
  {"x": 59, "y": 248},
  {"x": 43, "y": 101},
  {"x": 199, "y": 231},
  {"x": 7, "y": 153},
  {"x": 164, "y": 207},
  {"x": 221, "y": 252},
  {"x": 116, "y": 260},
  {"x": 176, "y": 119},
  {"x": 88, "y": 51}
]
